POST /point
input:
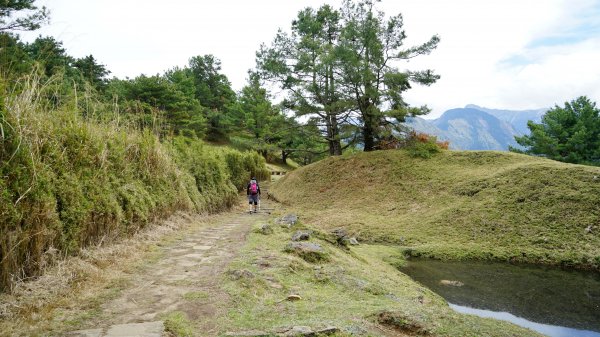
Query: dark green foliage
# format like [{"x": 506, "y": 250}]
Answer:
[
  {"x": 301, "y": 142},
  {"x": 51, "y": 55},
  {"x": 258, "y": 115},
  {"x": 340, "y": 67},
  {"x": 570, "y": 134},
  {"x": 193, "y": 101},
  {"x": 370, "y": 47},
  {"x": 14, "y": 60},
  {"x": 31, "y": 17},
  {"x": 92, "y": 72},
  {"x": 156, "y": 102},
  {"x": 303, "y": 63},
  {"x": 212, "y": 88},
  {"x": 214, "y": 92},
  {"x": 422, "y": 147},
  {"x": 264, "y": 123}
]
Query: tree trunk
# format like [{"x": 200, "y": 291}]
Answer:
[
  {"x": 284, "y": 156},
  {"x": 335, "y": 144},
  {"x": 369, "y": 129},
  {"x": 369, "y": 137}
]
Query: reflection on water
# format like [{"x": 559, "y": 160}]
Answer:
[
  {"x": 550, "y": 330},
  {"x": 551, "y": 301}
]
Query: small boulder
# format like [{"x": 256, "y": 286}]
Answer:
[
  {"x": 452, "y": 283},
  {"x": 330, "y": 330},
  {"x": 249, "y": 333},
  {"x": 301, "y": 236},
  {"x": 304, "y": 331},
  {"x": 310, "y": 252},
  {"x": 589, "y": 229},
  {"x": 343, "y": 238},
  {"x": 240, "y": 274},
  {"x": 350, "y": 241},
  {"x": 288, "y": 220},
  {"x": 265, "y": 229},
  {"x": 339, "y": 233}
]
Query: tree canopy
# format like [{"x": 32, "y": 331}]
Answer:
[
  {"x": 21, "y": 15},
  {"x": 370, "y": 47},
  {"x": 302, "y": 63},
  {"x": 569, "y": 134},
  {"x": 341, "y": 67},
  {"x": 338, "y": 69}
]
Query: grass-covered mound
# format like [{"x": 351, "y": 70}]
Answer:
[
  {"x": 458, "y": 205},
  {"x": 69, "y": 182}
]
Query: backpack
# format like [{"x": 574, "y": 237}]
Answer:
[{"x": 253, "y": 187}]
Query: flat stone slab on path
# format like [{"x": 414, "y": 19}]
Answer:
[
  {"x": 191, "y": 265},
  {"x": 202, "y": 247},
  {"x": 149, "y": 329}
]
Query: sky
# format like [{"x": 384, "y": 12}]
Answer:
[{"x": 501, "y": 54}]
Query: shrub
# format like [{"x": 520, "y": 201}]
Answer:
[{"x": 422, "y": 145}]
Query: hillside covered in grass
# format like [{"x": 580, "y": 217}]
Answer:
[
  {"x": 456, "y": 205},
  {"x": 69, "y": 182}
]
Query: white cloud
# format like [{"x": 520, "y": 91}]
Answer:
[
  {"x": 513, "y": 54},
  {"x": 472, "y": 58}
]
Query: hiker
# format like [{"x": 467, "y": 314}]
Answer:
[{"x": 253, "y": 192}]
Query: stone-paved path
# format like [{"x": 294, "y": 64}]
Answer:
[{"x": 186, "y": 278}]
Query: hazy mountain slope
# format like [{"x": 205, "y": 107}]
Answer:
[
  {"x": 518, "y": 118},
  {"x": 468, "y": 129}
]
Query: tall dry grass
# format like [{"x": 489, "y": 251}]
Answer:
[{"x": 74, "y": 175}]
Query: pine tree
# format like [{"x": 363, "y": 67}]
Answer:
[{"x": 569, "y": 134}]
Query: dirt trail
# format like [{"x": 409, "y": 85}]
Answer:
[{"x": 186, "y": 278}]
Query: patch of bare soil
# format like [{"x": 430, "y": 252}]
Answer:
[{"x": 185, "y": 279}]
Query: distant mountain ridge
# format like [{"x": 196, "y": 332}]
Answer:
[
  {"x": 518, "y": 118},
  {"x": 477, "y": 128}
]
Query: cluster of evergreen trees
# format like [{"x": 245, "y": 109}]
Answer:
[
  {"x": 338, "y": 69},
  {"x": 336, "y": 66},
  {"x": 196, "y": 100}
]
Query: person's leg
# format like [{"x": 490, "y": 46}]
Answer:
[{"x": 250, "y": 202}]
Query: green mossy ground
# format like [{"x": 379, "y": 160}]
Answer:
[{"x": 356, "y": 290}]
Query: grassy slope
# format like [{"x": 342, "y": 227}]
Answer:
[
  {"x": 69, "y": 183},
  {"x": 348, "y": 291},
  {"x": 487, "y": 205}
]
